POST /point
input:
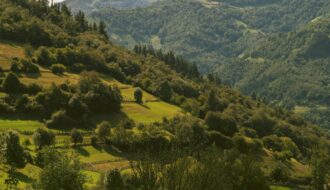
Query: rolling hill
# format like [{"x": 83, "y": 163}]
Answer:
[
  {"x": 75, "y": 107},
  {"x": 271, "y": 48}
]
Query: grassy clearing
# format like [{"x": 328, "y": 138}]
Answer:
[
  {"x": 150, "y": 112},
  {"x": 20, "y": 125},
  {"x": 279, "y": 188},
  {"x": 90, "y": 154},
  {"x": 46, "y": 78},
  {"x": 8, "y": 51},
  {"x": 301, "y": 109},
  {"x": 128, "y": 94},
  {"x": 156, "y": 42},
  {"x": 147, "y": 113},
  {"x": 108, "y": 166},
  {"x": 92, "y": 178},
  {"x": 26, "y": 176},
  {"x": 2, "y": 94},
  {"x": 299, "y": 170},
  {"x": 305, "y": 109}
]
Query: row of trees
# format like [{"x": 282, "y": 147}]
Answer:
[{"x": 177, "y": 63}]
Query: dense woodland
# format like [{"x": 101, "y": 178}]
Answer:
[
  {"x": 276, "y": 49},
  {"x": 219, "y": 142}
]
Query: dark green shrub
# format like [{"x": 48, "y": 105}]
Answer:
[
  {"x": 13, "y": 152},
  {"x": 222, "y": 123},
  {"x": 220, "y": 140},
  {"x": 94, "y": 140},
  {"x": 77, "y": 108},
  {"x": 60, "y": 120},
  {"x": 127, "y": 123},
  {"x": 77, "y": 67},
  {"x": 29, "y": 67},
  {"x": 58, "y": 69},
  {"x": 33, "y": 88},
  {"x": 247, "y": 145},
  {"x": 76, "y": 137},
  {"x": 138, "y": 95},
  {"x": 43, "y": 137},
  {"x": 6, "y": 108},
  {"x": 103, "y": 131},
  {"x": 262, "y": 123},
  {"x": 114, "y": 180},
  {"x": 11, "y": 84}
]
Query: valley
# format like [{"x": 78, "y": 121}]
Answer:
[
  {"x": 261, "y": 47},
  {"x": 79, "y": 110}
]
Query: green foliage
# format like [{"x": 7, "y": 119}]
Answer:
[
  {"x": 77, "y": 108},
  {"x": 11, "y": 83},
  {"x": 212, "y": 171},
  {"x": 320, "y": 167},
  {"x": 76, "y": 137},
  {"x": 177, "y": 63},
  {"x": 103, "y": 131},
  {"x": 262, "y": 123},
  {"x": 44, "y": 57},
  {"x": 164, "y": 91},
  {"x": 58, "y": 69},
  {"x": 221, "y": 123},
  {"x": 60, "y": 171},
  {"x": 213, "y": 103},
  {"x": 60, "y": 120},
  {"x": 102, "y": 30},
  {"x": 277, "y": 49},
  {"x": 114, "y": 180},
  {"x": 98, "y": 96},
  {"x": 219, "y": 114},
  {"x": 220, "y": 140},
  {"x": 319, "y": 117},
  {"x": 138, "y": 95},
  {"x": 43, "y": 137},
  {"x": 11, "y": 181},
  {"x": 280, "y": 173},
  {"x": 24, "y": 65},
  {"x": 246, "y": 145},
  {"x": 13, "y": 154}
]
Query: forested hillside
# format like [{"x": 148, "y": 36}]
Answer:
[
  {"x": 275, "y": 48},
  {"x": 93, "y": 5},
  {"x": 300, "y": 57},
  {"x": 79, "y": 112}
]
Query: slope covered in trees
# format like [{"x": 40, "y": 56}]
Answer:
[
  {"x": 301, "y": 57},
  {"x": 221, "y": 139},
  {"x": 275, "y": 48}
]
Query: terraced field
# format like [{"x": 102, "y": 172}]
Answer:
[{"x": 96, "y": 159}]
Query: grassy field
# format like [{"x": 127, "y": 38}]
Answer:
[
  {"x": 92, "y": 178},
  {"x": 46, "y": 78},
  {"x": 90, "y": 154},
  {"x": 304, "y": 109},
  {"x": 25, "y": 176},
  {"x": 128, "y": 94},
  {"x": 150, "y": 112},
  {"x": 8, "y": 51},
  {"x": 96, "y": 160},
  {"x": 297, "y": 171},
  {"x": 279, "y": 188},
  {"x": 20, "y": 125}
]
